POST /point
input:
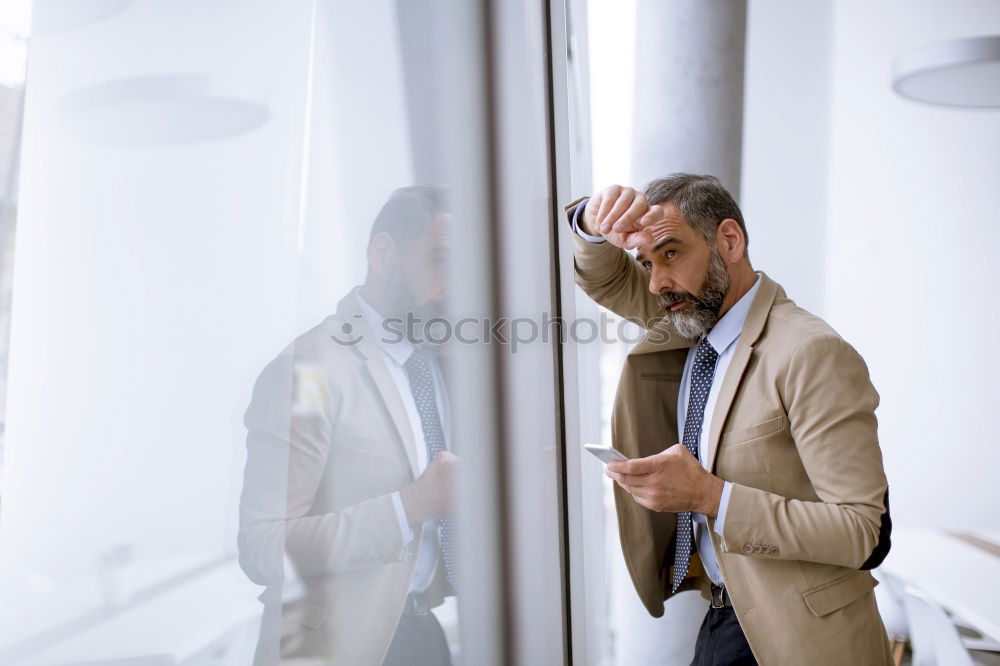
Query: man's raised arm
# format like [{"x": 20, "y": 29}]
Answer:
[{"x": 605, "y": 226}]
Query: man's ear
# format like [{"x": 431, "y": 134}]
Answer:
[
  {"x": 381, "y": 253},
  {"x": 730, "y": 241}
]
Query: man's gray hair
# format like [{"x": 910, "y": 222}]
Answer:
[{"x": 702, "y": 200}]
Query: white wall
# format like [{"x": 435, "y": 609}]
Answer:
[
  {"x": 854, "y": 198},
  {"x": 911, "y": 262},
  {"x": 611, "y": 50},
  {"x": 785, "y": 143}
]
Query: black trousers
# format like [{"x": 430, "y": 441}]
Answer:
[
  {"x": 721, "y": 641},
  {"x": 418, "y": 641}
]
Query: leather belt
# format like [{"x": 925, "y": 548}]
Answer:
[{"x": 720, "y": 597}]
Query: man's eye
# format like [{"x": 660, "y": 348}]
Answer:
[
  {"x": 669, "y": 254},
  {"x": 648, "y": 265}
]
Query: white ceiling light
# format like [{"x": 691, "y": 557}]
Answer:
[
  {"x": 159, "y": 109},
  {"x": 958, "y": 72},
  {"x": 51, "y": 15}
]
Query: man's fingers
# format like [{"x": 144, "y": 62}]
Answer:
[
  {"x": 651, "y": 216},
  {"x": 628, "y": 221},
  {"x": 637, "y": 239},
  {"x": 616, "y": 477},
  {"x": 608, "y": 199},
  {"x": 590, "y": 211},
  {"x": 625, "y": 200},
  {"x": 635, "y": 491},
  {"x": 593, "y": 205},
  {"x": 641, "y": 497},
  {"x": 635, "y": 481},
  {"x": 628, "y": 481},
  {"x": 638, "y": 207},
  {"x": 679, "y": 450},
  {"x": 638, "y": 466},
  {"x": 644, "y": 503}
]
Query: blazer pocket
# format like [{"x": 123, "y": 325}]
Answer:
[
  {"x": 672, "y": 377},
  {"x": 355, "y": 442},
  {"x": 762, "y": 429},
  {"x": 834, "y": 595}
]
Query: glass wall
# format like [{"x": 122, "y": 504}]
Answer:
[{"x": 274, "y": 394}]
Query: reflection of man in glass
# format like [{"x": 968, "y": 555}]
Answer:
[{"x": 348, "y": 469}]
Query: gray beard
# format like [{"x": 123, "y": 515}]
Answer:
[{"x": 702, "y": 312}]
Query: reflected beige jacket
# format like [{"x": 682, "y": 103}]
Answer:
[
  {"x": 794, "y": 429},
  {"x": 328, "y": 442}
]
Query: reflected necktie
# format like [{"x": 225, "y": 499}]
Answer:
[
  {"x": 418, "y": 372},
  {"x": 702, "y": 375}
]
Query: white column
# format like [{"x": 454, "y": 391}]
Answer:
[
  {"x": 688, "y": 116},
  {"x": 689, "y": 89}
]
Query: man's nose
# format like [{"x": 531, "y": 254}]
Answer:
[{"x": 659, "y": 282}]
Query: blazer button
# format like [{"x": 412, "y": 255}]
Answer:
[
  {"x": 757, "y": 548},
  {"x": 747, "y": 548}
]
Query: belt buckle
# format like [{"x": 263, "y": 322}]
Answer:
[{"x": 718, "y": 596}]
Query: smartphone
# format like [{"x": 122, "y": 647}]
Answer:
[{"x": 605, "y": 453}]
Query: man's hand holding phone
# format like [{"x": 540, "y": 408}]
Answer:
[{"x": 673, "y": 480}]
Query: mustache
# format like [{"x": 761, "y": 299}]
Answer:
[
  {"x": 671, "y": 297},
  {"x": 667, "y": 298}
]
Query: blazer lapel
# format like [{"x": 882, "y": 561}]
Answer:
[
  {"x": 752, "y": 328},
  {"x": 349, "y": 311},
  {"x": 394, "y": 405},
  {"x": 726, "y": 394}
]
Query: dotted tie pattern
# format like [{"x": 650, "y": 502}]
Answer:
[
  {"x": 418, "y": 372},
  {"x": 702, "y": 375}
]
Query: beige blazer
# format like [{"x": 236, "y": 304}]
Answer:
[
  {"x": 794, "y": 429},
  {"x": 328, "y": 441}
]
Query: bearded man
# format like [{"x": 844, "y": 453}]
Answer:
[{"x": 755, "y": 473}]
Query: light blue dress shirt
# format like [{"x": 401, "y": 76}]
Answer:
[
  {"x": 395, "y": 355},
  {"x": 723, "y": 338}
]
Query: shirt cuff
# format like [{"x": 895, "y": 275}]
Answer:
[
  {"x": 720, "y": 520},
  {"x": 576, "y": 224},
  {"x": 404, "y": 524}
]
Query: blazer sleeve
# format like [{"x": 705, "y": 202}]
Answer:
[
  {"x": 612, "y": 277},
  {"x": 288, "y": 441},
  {"x": 830, "y": 402}
]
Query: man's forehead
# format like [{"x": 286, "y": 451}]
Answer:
[{"x": 671, "y": 228}]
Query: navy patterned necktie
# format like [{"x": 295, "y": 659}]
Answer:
[
  {"x": 418, "y": 372},
  {"x": 702, "y": 375}
]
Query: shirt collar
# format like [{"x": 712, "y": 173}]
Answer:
[
  {"x": 727, "y": 329},
  {"x": 398, "y": 351}
]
